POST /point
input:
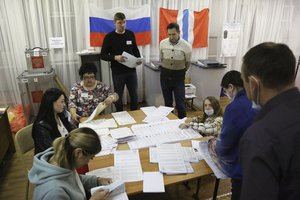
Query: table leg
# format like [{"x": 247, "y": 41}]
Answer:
[
  {"x": 216, "y": 189},
  {"x": 197, "y": 189}
]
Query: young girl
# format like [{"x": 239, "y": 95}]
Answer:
[{"x": 211, "y": 123}]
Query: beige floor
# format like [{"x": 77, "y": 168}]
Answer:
[{"x": 13, "y": 180}]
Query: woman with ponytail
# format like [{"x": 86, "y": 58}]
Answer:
[{"x": 53, "y": 172}]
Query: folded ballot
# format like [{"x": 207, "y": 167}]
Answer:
[{"x": 115, "y": 188}]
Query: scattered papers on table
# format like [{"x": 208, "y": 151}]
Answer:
[
  {"x": 99, "y": 124},
  {"x": 107, "y": 172},
  {"x": 122, "y": 135},
  {"x": 154, "y": 114}
]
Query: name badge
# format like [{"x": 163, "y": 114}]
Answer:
[
  {"x": 129, "y": 42},
  {"x": 84, "y": 95}
]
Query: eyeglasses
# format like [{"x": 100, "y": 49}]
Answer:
[{"x": 88, "y": 77}]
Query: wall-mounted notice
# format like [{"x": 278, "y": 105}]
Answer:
[
  {"x": 230, "y": 39},
  {"x": 56, "y": 42}
]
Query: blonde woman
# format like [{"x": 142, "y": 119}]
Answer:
[{"x": 53, "y": 172}]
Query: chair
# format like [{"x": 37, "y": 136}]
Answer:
[{"x": 25, "y": 143}]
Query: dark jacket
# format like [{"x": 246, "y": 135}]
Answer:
[{"x": 44, "y": 134}]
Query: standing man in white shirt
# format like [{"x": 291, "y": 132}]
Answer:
[{"x": 175, "y": 57}]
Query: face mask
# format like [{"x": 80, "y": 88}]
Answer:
[
  {"x": 255, "y": 106},
  {"x": 209, "y": 112}
]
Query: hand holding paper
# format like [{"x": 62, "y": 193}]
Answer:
[{"x": 131, "y": 61}]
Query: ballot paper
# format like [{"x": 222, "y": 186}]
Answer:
[
  {"x": 116, "y": 188},
  {"x": 203, "y": 146},
  {"x": 106, "y": 172},
  {"x": 101, "y": 106},
  {"x": 153, "y": 182},
  {"x": 130, "y": 60},
  {"x": 99, "y": 124},
  {"x": 123, "y": 118}
]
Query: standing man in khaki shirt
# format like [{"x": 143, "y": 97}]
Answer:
[{"x": 175, "y": 57}]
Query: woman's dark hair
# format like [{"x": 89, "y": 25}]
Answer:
[
  {"x": 215, "y": 105},
  {"x": 232, "y": 77},
  {"x": 46, "y": 111},
  {"x": 173, "y": 25},
  {"x": 89, "y": 68},
  {"x": 83, "y": 138}
]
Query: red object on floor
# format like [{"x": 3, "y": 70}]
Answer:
[{"x": 82, "y": 170}]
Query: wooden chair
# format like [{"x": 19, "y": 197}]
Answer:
[{"x": 25, "y": 143}]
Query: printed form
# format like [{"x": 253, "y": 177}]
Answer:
[
  {"x": 123, "y": 118},
  {"x": 128, "y": 165}
]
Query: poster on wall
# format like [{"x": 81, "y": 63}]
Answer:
[{"x": 230, "y": 39}]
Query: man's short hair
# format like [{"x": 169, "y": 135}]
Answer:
[
  {"x": 273, "y": 63},
  {"x": 119, "y": 16},
  {"x": 173, "y": 25}
]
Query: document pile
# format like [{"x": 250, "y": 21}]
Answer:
[
  {"x": 203, "y": 146},
  {"x": 116, "y": 189},
  {"x": 156, "y": 133},
  {"x": 123, "y": 118},
  {"x": 173, "y": 159},
  {"x": 154, "y": 114},
  {"x": 122, "y": 135}
]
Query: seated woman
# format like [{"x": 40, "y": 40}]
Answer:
[
  {"x": 211, "y": 123},
  {"x": 238, "y": 117},
  {"x": 88, "y": 93},
  {"x": 53, "y": 172},
  {"x": 52, "y": 120}
]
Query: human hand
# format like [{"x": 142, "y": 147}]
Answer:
[
  {"x": 109, "y": 100},
  {"x": 100, "y": 195},
  {"x": 104, "y": 181},
  {"x": 138, "y": 62},
  {"x": 184, "y": 125},
  {"x": 188, "y": 120},
  {"x": 120, "y": 58},
  {"x": 75, "y": 117}
]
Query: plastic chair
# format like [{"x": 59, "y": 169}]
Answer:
[{"x": 25, "y": 142}]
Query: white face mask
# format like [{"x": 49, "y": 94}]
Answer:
[{"x": 209, "y": 112}]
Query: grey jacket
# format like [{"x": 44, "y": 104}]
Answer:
[{"x": 53, "y": 182}]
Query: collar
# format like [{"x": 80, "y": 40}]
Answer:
[
  {"x": 174, "y": 43},
  {"x": 277, "y": 100}
]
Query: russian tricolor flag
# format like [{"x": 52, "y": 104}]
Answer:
[
  {"x": 137, "y": 20},
  {"x": 193, "y": 25}
]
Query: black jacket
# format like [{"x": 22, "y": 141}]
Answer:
[{"x": 44, "y": 134}]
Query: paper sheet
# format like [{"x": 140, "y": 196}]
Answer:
[
  {"x": 203, "y": 146},
  {"x": 99, "y": 124},
  {"x": 153, "y": 182},
  {"x": 115, "y": 188},
  {"x": 123, "y": 118},
  {"x": 131, "y": 60},
  {"x": 128, "y": 165},
  {"x": 107, "y": 172},
  {"x": 101, "y": 106}
]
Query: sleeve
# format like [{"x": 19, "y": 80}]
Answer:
[
  {"x": 135, "y": 49},
  {"x": 88, "y": 181},
  {"x": 260, "y": 168},
  {"x": 213, "y": 128},
  {"x": 105, "y": 53},
  {"x": 56, "y": 193},
  {"x": 42, "y": 138},
  {"x": 188, "y": 57},
  {"x": 73, "y": 97}
]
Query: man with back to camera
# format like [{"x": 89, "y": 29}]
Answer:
[
  {"x": 175, "y": 56},
  {"x": 114, "y": 44},
  {"x": 270, "y": 150}
]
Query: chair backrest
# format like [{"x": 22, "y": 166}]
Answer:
[{"x": 24, "y": 139}]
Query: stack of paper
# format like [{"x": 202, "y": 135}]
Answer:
[
  {"x": 171, "y": 161},
  {"x": 108, "y": 145},
  {"x": 156, "y": 133},
  {"x": 154, "y": 114},
  {"x": 116, "y": 189},
  {"x": 122, "y": 135}
]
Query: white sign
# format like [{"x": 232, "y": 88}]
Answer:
[
  {"x": 56, "y": 42},
  {"x": 230, "y": 39}
]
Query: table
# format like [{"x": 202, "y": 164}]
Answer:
[{"x": 200, "y": 168}]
